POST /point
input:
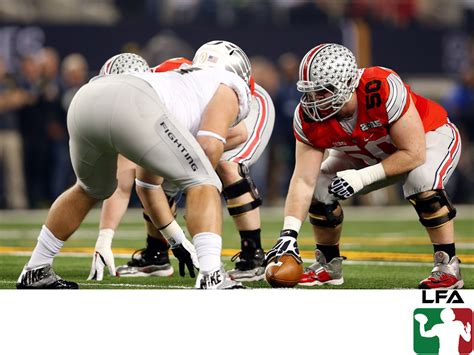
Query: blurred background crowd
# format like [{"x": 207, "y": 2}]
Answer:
[{"x": 50, "y": 48}]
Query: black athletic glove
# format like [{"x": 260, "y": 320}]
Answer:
[
  {"x": 186, "y": 255},
  {"x": 286, "y": 244}
]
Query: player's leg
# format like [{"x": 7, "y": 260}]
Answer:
[
  {"x": 243, "y": 203},
  {"x": 424, "y": 189},
  {"x": 95, "y": 167},
  {"x": 241, "y": 194},
  {"x": 153, "y": 260},
  {"x": 178, "y": 157},
  {"x": 326, "y": 216}
]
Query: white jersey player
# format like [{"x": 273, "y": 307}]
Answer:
[{"x": 135, "y": 116}]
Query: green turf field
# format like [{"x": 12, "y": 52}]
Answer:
[{"x": 385, "y": 248}]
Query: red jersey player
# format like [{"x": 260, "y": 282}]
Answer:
[{"x": 377, "y": 131}]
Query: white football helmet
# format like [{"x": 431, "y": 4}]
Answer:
[
  {"x": 328, "y": 76},
  {"x": 124, "y": 63},
  {"x": 226, "y": 55}
]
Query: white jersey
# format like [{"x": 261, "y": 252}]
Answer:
[{"x": 186, "y": 93}]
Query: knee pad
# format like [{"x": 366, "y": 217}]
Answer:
[
  {"x": 432, "y": 206},
  {"x": 240, "y": 188},
  {"x": 322, "y": 215}
]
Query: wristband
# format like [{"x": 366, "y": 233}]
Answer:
[
  {"x": 289, "y": 233},
  {"x": 372, "y": 174},
  {"x": 293, "y": 223},
  {"x": 211, "y": 134}
]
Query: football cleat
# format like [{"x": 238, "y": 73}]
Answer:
[
  {"x": 446, "y": 273},
  {"x": 146, "y": 263},
  {"x": 216, "y": 280},
  {"x": 43, "y": 277},
  {"x": 322, "y": 272},
  {"x": 250, "y": 267}
]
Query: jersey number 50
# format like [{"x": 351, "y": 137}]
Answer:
[{"x": 373, "y": 98}]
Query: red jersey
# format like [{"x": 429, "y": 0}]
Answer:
[
  {"x": 382, "y": 98},
  {"x": 171, "y": 64}
]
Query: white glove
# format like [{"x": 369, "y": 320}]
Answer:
[
  {"x": 347, "y": 183},
  {"x": 103, "y": 256}
]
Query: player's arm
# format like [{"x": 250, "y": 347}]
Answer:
[
  {"x": 218, "y": 116},
  {"x": 298, "y": 200},
  {"x": 303, "y": 181},
  {"x": 408, "y": 135},
  {"x": 236, "y": 136}
]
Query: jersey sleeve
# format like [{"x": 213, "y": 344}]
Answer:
[
  {"x": 298, "y": 126},
  {"x": 241, "y": 89},
  {"x": 398, "y": 98}
]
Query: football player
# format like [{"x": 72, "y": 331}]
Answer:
[
  {"x": 377, "y": 131},
  {"x": 240, "y": 192},
  {"x": 169, "y": 132},
  {"x": 115, "y": 206}
]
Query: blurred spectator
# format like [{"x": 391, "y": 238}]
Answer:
[
  {"x": 33, "y": 129},
  {"x": 59, "y": 11},
  {"x": 460, "y": 106},
  {"x": 74, "y": 74},
  {"x": 266, "y": 75},
  {"x": 282, "y": 144},
  {"x": 11, "y": 145},
  {"x": 61, "y": 175}
]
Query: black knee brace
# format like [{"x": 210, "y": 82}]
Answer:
[
  {"x": 321, "y": 215},
  {"x": 432, "y": 205},
  {"x": 238, "y": 189}
]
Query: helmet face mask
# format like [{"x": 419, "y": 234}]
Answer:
[
  {"x": 328, "y": 77},
  {"x": 225, "y": 55},
  {"x": 124, "y": 63}
]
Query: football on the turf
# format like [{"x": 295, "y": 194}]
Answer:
[{"x": 285, "y": 273}]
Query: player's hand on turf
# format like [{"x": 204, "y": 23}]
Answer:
[
  {"x": 102, "y": 257},
  {"x": 187, "y": 258},
  {"x": 286, "y": 244},
  {"x": 345, "y": 184}
]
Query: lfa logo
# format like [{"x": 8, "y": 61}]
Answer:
[{"x": 444, "y": 331}]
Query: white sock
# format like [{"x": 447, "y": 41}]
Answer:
[
  {"x": 46, "y": 248},
  {"x": 173, "y": 233},
  {"x": 104, "y": 240},
  {"x": 208, "y": 249}
]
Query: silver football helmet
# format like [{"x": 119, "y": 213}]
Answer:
[
  {"x": 327, "y": 78},
  {"x": 124, "y": 63},
  {"x": 226, "y": 55}
]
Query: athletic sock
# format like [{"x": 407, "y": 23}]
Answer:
[
  {"x": 330, "y": 251},
  {"x": 46, "y": 249},
  {"x": 208, "y": 249},
  {"x": 449, "y": 249},
  {"x": 250, "y": 240}
]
